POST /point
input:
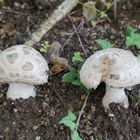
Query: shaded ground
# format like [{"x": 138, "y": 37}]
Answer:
[{"x": 38, "y": 118}]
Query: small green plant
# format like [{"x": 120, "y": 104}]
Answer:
[
  {"x": 72, "y": 76},
  {"x": 104, "y": 43},
  {"x": 132, "y": 37},
  {"x": 44, "y": 47},
  {"x": 103, "y": 13},
  {"x": 69, "y": 122},
  {"x": 77, "y": 57},
  {"x": 108, "y": 5}
]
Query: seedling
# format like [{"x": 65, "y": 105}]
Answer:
[
  {"x": 108, "y": 5},
  {"x": 72, "y": 76},
  {"x": 103, "y": 14},
  {"x": 44, "y": 47},
  {"x": 69, "y": 122},
  {"x": 104, "y": 43},
  {"x": 77, "y": 57}
]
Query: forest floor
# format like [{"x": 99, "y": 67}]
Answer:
[{"x": 38, "y": 118}]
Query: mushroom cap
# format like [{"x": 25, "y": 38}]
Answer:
[
  {"x": 116, "y": 67},
  {"x": 22, "y": 64}
]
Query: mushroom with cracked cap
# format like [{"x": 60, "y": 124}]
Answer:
[
  {"x": 118, "y": 68},
  {"x": 22, "y": 67}
]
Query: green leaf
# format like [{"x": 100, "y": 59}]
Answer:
[
  {"x": 93, "y": 23},
  {"x": 134, "y": 39},
  {"x": 129, "y": 30},
  {"x": 103, "y": 43},
  {"x": 103, "y": 14},
  {"x": 69, "y": 77},
  {"x": 76, "y": 82},
  {"x": 77, "y": 57},
  {"x": 70, "y": 117},
  {"x": 69, "y": 124},
  {"x": 44, "y": 47},
  {"x": 108, "y": 5},
  {"x": 75, "y": 135},
  {"x": 68, "y": 121},
  {"x": 72, "y": 69},
  {"x": 131, "y": 37}
]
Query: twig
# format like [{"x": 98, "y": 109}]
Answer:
[
  {"x": 115, "y": 10},
  {"x": 59, "y": 97},
  {"x": 11, "y": 11},
  {"x": 81, "y": 24},
  {"x": 81, "y": 112},
  {"x": 56, "y": 16},
  {"x": 80, "y": 41}
]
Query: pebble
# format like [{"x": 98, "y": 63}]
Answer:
[
  {"x": 1, "y": 137},
  {"x": 15, "y": 110},
  {"x": 46, "y": 98},
  {"x": 6, "y": 130},
  {"x": 44, "y": 104},
  {"x": 37, "y": 138},
  {"x": 111, "y": 115},
  {"x": 35, "y": 127},
  {"x": 48, "y": 91},
  {"x": 16, "y": 4},
  {"x": 1, "y": 95}
]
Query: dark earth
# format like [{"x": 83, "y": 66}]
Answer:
[{"x": 38, "y": 118}]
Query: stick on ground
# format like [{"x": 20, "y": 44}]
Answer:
[{"x": 56, "y": 16}]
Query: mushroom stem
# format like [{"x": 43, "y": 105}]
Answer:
[
  {"x": 115, "y": 95},
  {"x": 20, "y": 90}
]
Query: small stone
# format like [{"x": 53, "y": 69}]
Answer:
[
  {"x": 16, "y": 4},
  {"x": 6, "y": 130},
  {"x": 111, "y": 115},
  {"x": 1, "y": 95},
  {"x": 37, "y": 138},
  {"x": 1, "y": 137},
  {"x": 15, "y": 110},
  {"x": 48, "y": 91},
  {"x": 35, "y": 127},
  {"x": 44, "y": 104}
]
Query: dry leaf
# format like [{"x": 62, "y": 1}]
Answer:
[
  {"x": 9, "y": 29},
  {"x": 89, "y": 10},
  {"x": 53, "y": 55},
  {"x": 59, "y": 60},
  {"x": 56, "y": 68}
]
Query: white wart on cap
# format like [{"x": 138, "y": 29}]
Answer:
[
  {"x": 118, "y": 68},
  {"x": 22, "y": 67}
]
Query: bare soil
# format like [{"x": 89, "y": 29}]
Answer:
[{"x": 38, "y": 118}]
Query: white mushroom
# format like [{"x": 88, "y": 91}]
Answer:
[
  {"x": 22, "y": 67},
  {"x": 118, "y": 68}
]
